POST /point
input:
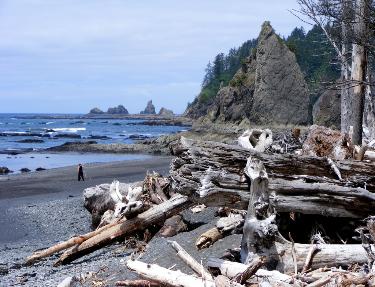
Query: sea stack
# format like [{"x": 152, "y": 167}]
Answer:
[
  {"x": 269, "y": 88},
  {"x": 119, "y": 110},
  {"x": 149, "y": 110},
  {"x": 165, "y": 112},
  {"x": 96, "y": 111}
]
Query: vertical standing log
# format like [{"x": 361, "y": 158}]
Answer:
[
  {"x": 359, "y": 64},
  {"x": 259, "y": 229},
  {"x": 345, "y": 87}
]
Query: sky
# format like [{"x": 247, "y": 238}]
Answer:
[{"x": 68, "y": 56}]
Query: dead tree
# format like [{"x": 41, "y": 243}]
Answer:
[
  {"x": 354, "y": 18},
  {"x": 359, "y": 68}
]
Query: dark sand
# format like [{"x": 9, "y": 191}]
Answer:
[
  {"x": 40, "y": 209},
  {"x": 65, "y": 179}
]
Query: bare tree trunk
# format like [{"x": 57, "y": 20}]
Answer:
[
  {"x": 359, "y": 69},
  {"x": 369, "y": 111},
  {"x": 345, "y": 87}
]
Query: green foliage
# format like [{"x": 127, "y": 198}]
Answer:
[
  {"x": 238, "y": 81},
  {"x": 314, "y": 55},
  {"x": 222, "y": 70}
]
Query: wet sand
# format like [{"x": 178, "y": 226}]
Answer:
[{"x": 65, "y": 179}]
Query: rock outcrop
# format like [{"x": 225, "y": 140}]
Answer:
[
  {"x": 119, "y": 110},
  {"x": 268, "y": 89},
  {"x": 165, "y": 112},
  {"x": 326, "y": 110},
  {"x": 149, "y": 110},
  {"x": 4, "y": 170},
  {"x": 96, "y": 111}
]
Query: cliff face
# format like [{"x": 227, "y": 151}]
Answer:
[
  {"x": 268, "y": 89},
  {"x": 326, "y": 110}
]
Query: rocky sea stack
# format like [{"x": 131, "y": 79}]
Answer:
[
  {"x": 96, "y": 111},
  {"x": 119, "y": 110},
  {"x": 269, "y": 88},
  {"x": 165, "y": 112},
  {"x": 149, "y": 110}
]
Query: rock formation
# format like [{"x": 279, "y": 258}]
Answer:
[
  {"x": 268, "y": 89},
  {"x": 120, "y": 109},
  {"x": 96, "y": 111},
  {"x": 4, "y": 170},
  {"x": 165, "y": 112},
  {"x": 326, "y": 110},
  {"x": 149, "y": 110}
]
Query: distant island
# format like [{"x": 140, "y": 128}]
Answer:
[{"x": 121, "y": 110}]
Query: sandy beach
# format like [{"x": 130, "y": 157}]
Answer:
[{"x": 39, "y": 209}]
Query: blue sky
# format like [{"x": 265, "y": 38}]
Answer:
[{"x": 68, "y": 56}]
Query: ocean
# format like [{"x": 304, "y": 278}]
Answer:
[{"x": 24, "y": 137}]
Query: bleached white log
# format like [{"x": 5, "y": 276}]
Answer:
[
  {"x": 166, "y": 276},
  {"x": 115, "y": 192},
  {"x": 232, "y": 269},
  {"x": 134, "y": 194},
  {"x": 230, "y": 222},
  {"x": 256, "y": 139},
  {"x": 190, "y": 261}
]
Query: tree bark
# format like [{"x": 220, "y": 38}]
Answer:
[
  {"x": 213, "y": 174},
  {"x": 359, "y": 68},
  {"x": 345, "y": 85}
]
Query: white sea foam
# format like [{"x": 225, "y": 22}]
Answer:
[
  {"x": 69, "y": 130},
  {"x": 48, "y": 123}
]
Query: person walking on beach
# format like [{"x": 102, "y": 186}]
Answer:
[{"x": 80, "y": 173}]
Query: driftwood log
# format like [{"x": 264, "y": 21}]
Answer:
[
  {"x": 157, "y": 214},
  {"x": 213, "y": 173},
  {"x": 166, "y": 276}
]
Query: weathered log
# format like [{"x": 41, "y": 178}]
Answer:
[
  {"x": 261, "y": 238},
  {"x": 259, "y": 229},
  {"x": 250, "y": 271},
  {"x": 139, "y": 283},
  {"x": 208, "y": 238},
  {"x": 213, "y": 173},
  {"x": 190, "y": 261},
  {"x": 256, "y": 139},
  {"x": 234, "y": 269},
  {"x": 166, "y": 276},
  {"x": 156, "y": 214},
  {"x": 38, "y": 255}
]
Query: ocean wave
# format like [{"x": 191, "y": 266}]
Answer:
[
  {"x": 14, "y": 133},
  {"x": 48, "y": 123},
  {"x": 68, "y": 130}
]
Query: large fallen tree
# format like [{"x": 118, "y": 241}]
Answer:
[{"x": 213, "y": 173}]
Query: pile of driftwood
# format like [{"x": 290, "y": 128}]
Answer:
[{"x": 262, "y": 193}]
